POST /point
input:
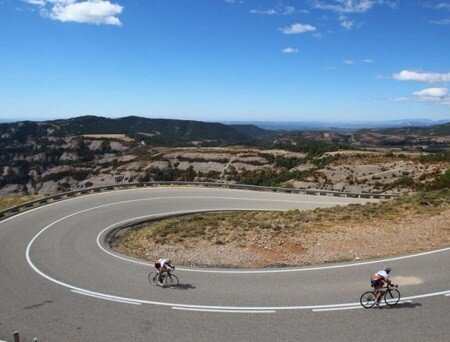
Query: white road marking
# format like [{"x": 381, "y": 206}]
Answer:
[
  {"x": 447, "y": 295},
  {"x": 220, "y": 308},
  {"x": 223, "y": 311},
  {"x": 335, "y": 309},
  {"x": 339, "y": 200},
  {"x": 355, "y": 307},
  {"x": 84, "y": 293}
]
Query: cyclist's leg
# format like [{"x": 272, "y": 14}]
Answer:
[
  {"x": 378, "y": 292},
  {"x": 158, "y": 275}
]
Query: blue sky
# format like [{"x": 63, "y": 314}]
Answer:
[{"x": 220, "y": 60}]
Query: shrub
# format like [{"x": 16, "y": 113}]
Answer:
[{"x": 441, "y": 182}]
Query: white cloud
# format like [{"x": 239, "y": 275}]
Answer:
[
  {"x": 441, "y": 22},
  {"x": 410, "y": 75},
  {"x": 431, "y": 93},
  {"x": 85, "y": 11},
  {"x": 368, "y": 61},
  {"x": 298, "y": 28},
  {"x": 347, "y": 24},
  {"x": 289, "y": 50},
  {"x": 443, "y": 5},
  {"x": 35, "y": 2},
  {"x": 345, "y": 7},
  {"x": 285, "y": 10},
  {"x": 330, "y": 68},
  {"x": 289, "y": 10},
  {"x": 437, "y": 95},
  {"x": 270, "y": 11},
  {"x": 400, "y": 99},
  {"x": 348, "y": 6},
  {"x": 348, "y": 61}
]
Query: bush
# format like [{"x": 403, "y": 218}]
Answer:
[
  {"x": 434, "y": 157},
  {"x": 441, "y": 182},
  {"x": 404, "y": 182}
]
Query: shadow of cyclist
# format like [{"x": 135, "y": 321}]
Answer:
[
  {"x": 185, "y": 287},
  {"x": 404, "y": 305}
]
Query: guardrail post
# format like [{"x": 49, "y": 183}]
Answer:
[{"x": 16, "y": 336}]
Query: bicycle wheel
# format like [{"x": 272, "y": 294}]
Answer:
[
  {"x": 152, "y": 278},
  {"x": 171, "y": 281},
  {"x": 368, "y": 299},
  {"x": 392, "y": 297}
]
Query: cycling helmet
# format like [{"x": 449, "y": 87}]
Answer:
[{"x": 387, "y": 269}]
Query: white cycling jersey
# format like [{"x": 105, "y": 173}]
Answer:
[
  {"x": 383, "y": 274},
  {"x": 164, "y": 262}
]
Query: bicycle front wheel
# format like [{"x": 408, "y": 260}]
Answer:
[
  {"x": 171, "y": 281},
  {"x": 152, "y": 278},
  {"x": 392, "y": 297},
  {"x": 368, "y": 299}
]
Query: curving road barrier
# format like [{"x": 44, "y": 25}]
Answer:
[{"x": 316, "y": 192}]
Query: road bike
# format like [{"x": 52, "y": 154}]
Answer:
[
  {"x": 390, "y": 295},
  {"x": 169, "y": 279}
]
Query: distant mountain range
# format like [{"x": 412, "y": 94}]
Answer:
[
  {"x": 167, "y": 132},
  {"x": 338, "y": 125},
  {"x": 256, "y": 126}
]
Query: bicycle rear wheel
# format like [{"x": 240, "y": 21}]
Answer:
[
  {"x": 171, "y": 281},
  {"x": 152, "y": 278},
  {"x": 392, "y": 297},
  {"x": 368, "y": 299}
]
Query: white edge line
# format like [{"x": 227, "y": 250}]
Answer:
[
  {"x": 105, "y": 297},
  {"x": 355, "y": 307},
  {"x": 222, "y": 311},
  {"x": 335, "y": 309},
  {"x": 447, "y": 295},
  {"x": 338, "y": 202}
]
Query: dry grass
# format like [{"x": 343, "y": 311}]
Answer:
[
  {"x": 297, "y": 237},
  {"x": 11, "y": 201}
]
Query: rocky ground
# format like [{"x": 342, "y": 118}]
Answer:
[
  {"x": 262, "y": 239},
  {"x": 76, "y": 162}
]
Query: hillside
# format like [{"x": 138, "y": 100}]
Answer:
[
  {"x": 61, "y": 155},
  {"x": 159, "y": 131},
  {"x": 430, "y": 131}
]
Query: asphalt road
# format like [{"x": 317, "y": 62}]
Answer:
[{"x": 59, "y": 282}]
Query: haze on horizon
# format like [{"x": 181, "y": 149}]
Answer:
[{"x": 226, "y": 60}]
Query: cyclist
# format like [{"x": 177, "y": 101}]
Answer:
[
  {"x": 161, "y": 268},
  {"x": 377, "y": 281}
]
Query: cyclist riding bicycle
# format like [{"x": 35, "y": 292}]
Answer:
[
  {"x": 378, "y": 280},
  {"x": 162, "y": 266}
]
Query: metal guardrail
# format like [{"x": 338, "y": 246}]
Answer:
[{"x": 49, "y": 199}]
